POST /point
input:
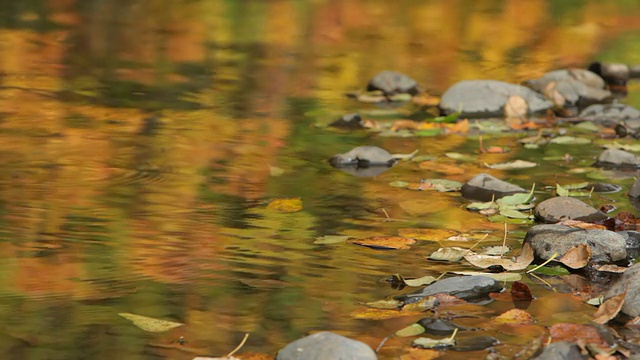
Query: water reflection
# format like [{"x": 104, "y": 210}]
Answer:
[{"x": 137, "y": 140}]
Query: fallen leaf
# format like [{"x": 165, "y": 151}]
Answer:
[
  {"x": 429, "y": 343},
  {"x": 286, "y": 205},
  {"x": 460, "y": 157},
  {"x": 577, "y": 224},
  {"x": 451, "y": 254},
  {"x": 516, "y": 107},
  {"x": 443, "y": 168},
  {"x": 427, "y": 233},
  {"x": 381, "y": 314},
  {"x": 516, "y": 164},
  {"x": 390, "y": 304},
  {"x": 520, "y": 292},
  {"x": 461, "y": 127},
  {"x": 441, "y": 185},
  {"x": 331, "y": 239},
  {"x": 404, "y": 124},
  {"x": 515, "y": 317},
  {"x": 399, "y": 279},
  {"x": 411, "y": 330},
  {"x": 609, "y": 308},
  {"x": 577, "y": 256},
  {"x": 424, "y": 304},
  {"x": 503, "y": 276},
  {"x": 613, "y": 268},
  {"x": 386, "y": 242},
  {"x": 421, "y": 354},
  {"x": 150, "y": 324},
  {"x": 426, "y": 100},
  {"x": 520, "y": 263},
  {"x": 576, "y": 332},
  {"x": 570, "y": 140}
]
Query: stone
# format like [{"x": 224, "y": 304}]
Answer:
[
  {"x": 562, "y": 350},
  {"x": 561, "y": 208},
  {"x": 464, "y": 287},
  {"x": 613, "y": 74},
  {"x": 326, "y": 345},
  {"x": 484, "y": 187},
  {"x": 606, "y": 246},
  {"x": 349, "y": 121},
  {"x": 363, "y": 156},
  {"x": 393, "y": 82},
  {"x": 629, "y": 281},
  {"x": 610, "y": 113},
  {"x": 617, "y": 158},
  {"x": 634, "y": 190},
  {"x": 487, "y": 98}
]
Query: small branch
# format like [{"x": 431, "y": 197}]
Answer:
[{"x": 246, "y": 336}]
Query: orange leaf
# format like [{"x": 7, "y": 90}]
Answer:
[
  {"x": 574, "y": 332},
  {"x": 577, "y": 256},
  {"x": 461, "y": 127},
  {"x": 447, "y": 169},
  {"x": 515, "y": 317},
  {"x": 421, "y": 354},
  {"x": 404, "y": 124},
  {"x": 286, "y": 205},
  {"x": 609, "y": 309},
  {"x": 577, "y": 224},
  {"x": 425, "y": 100},
  {"x": 386, "y": 242}
]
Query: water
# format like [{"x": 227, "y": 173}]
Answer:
[{"x": 138, "y": 143}]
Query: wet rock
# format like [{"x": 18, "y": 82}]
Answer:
[
  {"x": 629, "y": 281},
  {"x": 562, "y": 350},
  {"x": 634, "y": 72},
  {"x": 326, "y": 345},
  {"x": 393, "y": 82},
  {"x": 484, "y": 187},
  {"x": 632, "y": 239},
  {"x": 363, "y": 156},
  {"x": 487, "y": 98},
  {"x": 613, "y": 113},
  {"x": 463, "y": 287},
  {"x": 603, "y": 188},
  {"x": 562, "y": 208},
  {"x": 349, "y": 121},
  {"x": 634, "y": 191},
  {"x": 439, "y": 327},
  {"x": 617, "y": 158},
  {"x": 606, "y": 246},
  {"x": 612, "y": 73}
]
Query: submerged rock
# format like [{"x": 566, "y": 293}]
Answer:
[
  {"x": 617, "y": 158},
  {"x": 606, "y": 246},
  {"x": 629, "y": 282},
  {"x": 484, "y": 187},
  {"x": 562, "y": 350},
  {"x": 487, "y": 98},
  {"x": 363, "y": 156},
  {"x": 326, "y": 345},
  {"x": 610, "y": 113},
  {"x": 463, "y": 287},
  {"x": 349, "y": 121},
  {"x": 562, "y": 208},
  {"x": 393, "y": 82}
]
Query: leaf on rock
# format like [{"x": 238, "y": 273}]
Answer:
[
  {"x": 424, "y": 304},
  {"x": 570, "y": 140},
  {"x": 411, "y": 330},
  {"x": 577, "y": 256},
  {"x": 517, "y": 199},
  {"x": 451, "y": 254},
  {"x": 520, "y": 292},
  {"x": 613, "y": 268},
  {"x": 515, "y": 317},
  {"x": 150, "y": 324},
  {"x": 331, "y": 239},
  {"x": 577, "y": 224},
  {"x": 520, "y": 263},
  {"x": 386, "y": 242},
  {"x": 516, "y": 107},
  {"x": 609, "y": 309},
  {"x": 576, "y": 332},
  {"x": 511, "y": 165},
  {"x": 503, "y": 276},
  {"x": 389, "y": 304},
  {"x": 626, "y": 147},
  {"x": 427, "y": 233},
  {"x": 286, "y": 205}
]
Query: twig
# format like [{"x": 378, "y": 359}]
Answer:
[
  {"x": 246, "y": 336},
  {"x": 504, "y": 240},
  {"x": 382, "y": 343},
  {"x": 553, "y": 257},
  {"x": 474, "y": 245}
]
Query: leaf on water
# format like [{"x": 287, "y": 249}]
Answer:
[
  {"x": 404, "y": 124},
  {"x": 570, "y": 140},
  {"x": 461, "y": 127},
  {"x": 441, "y": 185},
  {"x": 609, "y": 309},
  {"x": 451, "y": 118},
  {"x": 517, "y": 199},
  {"x": 496, "y": 250},
  {"x": 424, "y": 304},
  {"x": 421, "y": 354},
  {"x": 405, "y": 156},
  {"x": 577, "y": 224},
  {"x": 429, "y": 343},
  {"x": 389, "y": 304},
  {"x": 515, "y": 317},
  {"x": 577, "y": 256},
  {"x": 514, "y": 214},
  {"x": 587, "y": 126},
  {"x": 503, "y": 276},
  {"x": 520, "y": 263},
  {"x": 411, "y": 330},
  {"x": 381, "y": 314},
  {"x": 444, "y": 168},
  {"x": 511, "y": 165},
  {"x": 150, "y": 324},
  {"x": 520, "y": 292},
  {"x": 451, "y": 254},
  {"x": 400, "y": 97},
  {"x": 426, "y": 100},
  {"x": 549, "y": 270},
  {"x": 275, "y": 171},
  {"x": 429, "y": 132},
  {"x": 626, "y": 147},
  {"x": 477, "y": 206},
  {"x": 427, "y": 233},
  {"x": 331, "y": 239},
  {"x": 425, "y": 280},
  {"x": 576, "y": 332},
  {"x": 565, "y": 190},
  {"x": 286, "y": 205},
  {"x": 460, "y": 157},
  {"x": 596, "y": 301},
  {"x": 386, "y": 242},
  {"x": 399, "y": 184}
]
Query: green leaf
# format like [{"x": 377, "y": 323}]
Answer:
[
  {"x": 425, "y": 280},
  {"x": 459, "y": 156},
  {"x": 517, "y": 199},
  {"x": 626, "y": 147},
  {"x": 405, "y": 156},
  {"x": 548, "y": 270},
  {"x": 451, "y": 118},
  {"x": 451, "y": 254},
  {"x": 570, "y": 140},
  {"x": 331, "y": 239},
  {"x": 428, "y": 132},
  {"x": 399, "y": 184},
  {"x": 411, "y": 330},
  {"x": 514, "y": 214},
  {"x": 477, "y": 206},
  {"x": 150, "y": 324}
]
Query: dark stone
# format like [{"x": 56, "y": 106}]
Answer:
[
  {"x": 349, "y": 121},
  {"x": 463, "y": 287},
  {"x": 561, "y": 350},
  {"x": 487, "y": 98},
  {"x": 634, "y": 191},
  {"x": 393, "y": 82},
  {"x": 484, "y": 187},
  {"x": 629, "y": 281},
  {"x": 326, "y": 345},
  {"x": 609, "y": 113},
  {"x": 561, "y": 208},
  {"x": 603, "y": 188},
  {"x": 612, "y": 73},
  {"x": 363, "y": 156},
  {"x": 475, "y": 343},
  {"x": 634, "y": 72},
  {"x": 439, "y": 327},
  {"x": 606, "y": 246},
  {"x": 617, "y": 158},
  {"x": 632, "y": 238}
]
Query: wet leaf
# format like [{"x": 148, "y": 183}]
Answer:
[
  {"x": 577, "y": 256},
  {"x": 331, "y": 239},
  {"x": 514, "y": 214},
  {"x": 520, "y": 263},
  {"x": 609, "y": 309},
  {"x": 421, "y": 354},
  {"x": 386, "y": 242},
  {"x": 520, "y": 292},
  {"x": 286, "y": 205},
  {"x": 613, "y": 268},
  {"x": 405, "y": 157},
  {"x": 461, "y": 127},
  {"x": 426, "y": 100},
  {"x": 503, "y": 276},
  {"x": 576, "y": 332},
  {"x": 515, "y": 107},
  {"x": 516, "y": 164},
  {"x": 627, "y": 147},
  {"x": 460, "y": 157},
  {"x": 275, "y": 171},
  {"x": 150, "y": 324},
  {"x": 496, "y": 250},
  {"x": 425, "y": 280},
  {"x": 429, "y": 132},
  {"x": 427, "y": 233},
  {"x": 570, "y": 140},
  {"x": 381, "y": 314},
  {"x": 399, "y": 184},
  {"x": 385, "y": 304},
  {"x": 515, "y": 317},
  {"x": 517, "y": 199},
  {"x": 441, "y": 185},
  {"x": 451, "y": 254},
  {"x": 443, "y": 168},
  {"x": 477, "y": 206},
  {"x": 451, "y": 118},
  {"x": 411, "y": 330},
  {"x": 550, "y": 270},
  {"x": 404, "y": 124},
  {"x": 400, "y": 97},
  {"x": 429, "y": 343},
  {"x": 424, "y": 304}
]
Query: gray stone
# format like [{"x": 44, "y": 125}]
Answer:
[
  {"x": 561, "y": 350},
  {"x": 487, "y": 98},
  {"x": 609, "y": 113},
  {"x": 612, "y": 73},
  {"x": 393, "y": 82},
  {"x": 617, "y": 158},
  {"x": 363, "y": 156},
  {"x": 484, "y": 187},
  {"x": 349, "y": 121},
  {"x": 579, "y": 88},
  {"x": 326, "y": 345},
  {"x": 634, "y": 190},
  {"x": 463, "y": 287},
  {"x": 606, "y": 246},
  {"x": 561, "y": 208},
  {"x": 629, "y": 281}
]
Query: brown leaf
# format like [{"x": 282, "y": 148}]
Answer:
[
  {"x": 515, "y": 317},
  {"x": 386, "y": 242},
  {"x": 404, "y": 124},
  {"x": 461, "y": 127},
  {"x": 633, "y": 323},
  {"x": 516, "y": 107},
  {"x": 520, "y": 292},
  {"x": 520, "y": 263},
  {"x": 612, "y": 268},
  {"x": 577, "y": 256},
  {"x": 421, "y": 354},
  {"x": 609, "y": 309},
  {"x": 441, "y": 168},
  {"x": 427, "y": 233},
  {"x": 575, "y": 332},
  {"x": 577, "y": 224}
]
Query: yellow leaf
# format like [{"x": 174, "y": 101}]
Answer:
[
  {"x": 150, "y": 324},
  {"x": 286, "y": 205}
]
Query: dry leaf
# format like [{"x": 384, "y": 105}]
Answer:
[
  {"x": 520, "y": 263},
  {"x": 286, "y": 205},
  {"x": 461, "y": 127},
  {"x": 421, "y": 354},
  {"x": 386, "y": 242},
  {"x": 577, "y": 224},
  {"x": 425, "y": 100},
  {"x": 427, "y": 234},
  {"x": 150, "y": 324},
  {"x": 515, "y": 317},
  {"x": 612, "y": 268},
  {"x": 576, "y": 332},
  {"x": 577, "y": 256},
  {"x": 404, "y": 124},
  {"x": 520, "y": 292},
  {"x": 609, "y": 309},
  {"x": 516, "y": 107}
]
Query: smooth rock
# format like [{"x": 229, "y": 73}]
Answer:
[
  {"x": 578, "y": 88},
  {"x": 603, "y": 188},
  {"x": 484, "y": 187},
  {"x": 562, "y": 350},
  {"x": 393, "y": 82},
  {"x": 606, "y": 246},
  {"x": 487, "y": 98},
  {"x": 612, "y": 73},
  {"x": 609, "y": 113},
  {"x": 634, "y": 190},
  {"x": 617, "y": 158},
  {"x": 561, "y": 208},
  {"x": 629, "y": 281},
  {"x": 326, "y": 345},
  {"x": 439, "y": 327},
  {"x": 363, "y": 156},
  {"x": 349, "y": 121},
  {"x": 463, "y": 287}
]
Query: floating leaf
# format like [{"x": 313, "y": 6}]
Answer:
[
  {"x": 451, "y": 254},
  {"x": 275, "y": 171},
  {"x": 424, "y": 304},
  {"x": 496, "y": 250},
  {"x": 515, "y": 317},
  {"x": 520, "y": 292},
  {"x": 411, "y": 330},
  {"x": 399, "y": 279},
  {"x": 549, "y": 270},
  {"x": 286, "y": 205},
  {"x": 517, "y": 199},
  {"x": 516, "y": 164},
  {"x": 459, "y": 156},
  {"x": 399, "y": 184},
  {"x": 514, "y": 214},
  {"x": 627, "y": 147},
  {"x": 477, "y": 206},
  {"x": 429, "y": 132},
  {"x": 331, "y": 239},
  {"x": 150, "y": 324},
  {"x": 427, "y": 233},
  {"x": 503, "y": 276},
  {"x": 451, "y": 118},
  {"x": 381, "y": 314},
  {"x": 576, "y": 332},
  {"x": 385, "y": 304},
  {"x": 386, "y": 242},
  {"x": 570, "y": 140},
  {"x": 609, "y": 309},
  {"x": 429, "y": 343},
  {"x": 441, "y": 185},
  {"x": 577, "y": 256},
  {"x": 405, "y": 156},
  {"x": 520, "y": 263}
]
